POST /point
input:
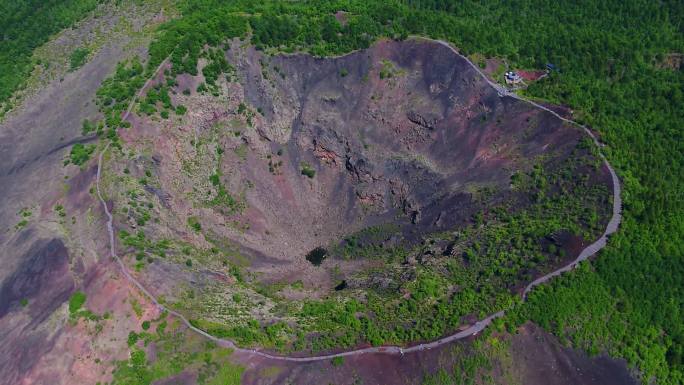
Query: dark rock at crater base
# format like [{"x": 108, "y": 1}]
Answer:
[
  {"x": 341, "y": 286},
  {"x": 316, "y": 256}
]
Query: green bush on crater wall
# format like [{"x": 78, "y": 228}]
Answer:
[
  {"x": 194, "y": 224},
  {"x": 78, "y": 58},
  {"x": 76, "y": 301},
  {"x": 308, "y": 170},
  {"x": 87, "y": 127},
  {"x": 81, "y": 153}
]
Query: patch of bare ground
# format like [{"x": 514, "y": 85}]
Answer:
[
  {"x": 494, "y": 67},
  {"x": 341, "y": 17},
  {"x": 542, "y": 360},
  {"x": 671, "y": 61},
  {"x": 531, "y": 75}
]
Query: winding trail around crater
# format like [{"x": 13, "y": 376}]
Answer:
[{"x": 590, "y": 250}]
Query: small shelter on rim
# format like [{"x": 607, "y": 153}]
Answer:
[{"x": 513, "y": 77}]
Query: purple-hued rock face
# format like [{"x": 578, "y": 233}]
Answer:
[
  {"x": 42, "y": 276},
  {"x": 44, "y": 282}
]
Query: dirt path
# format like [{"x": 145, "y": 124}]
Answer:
[{"x": 473, "y": 329}]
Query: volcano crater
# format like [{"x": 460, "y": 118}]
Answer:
[{"x": 422, "y": 185}]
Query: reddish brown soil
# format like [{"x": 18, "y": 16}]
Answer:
[
  {"x": 530, "y": 75},
  {"x": 341, "y": 17},
  {"x": 492, "y": 66},
  {"x": 537, "y": 359},
  {"x": 544, "y": 361}
]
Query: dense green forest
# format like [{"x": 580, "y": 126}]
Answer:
[
  {"x": 615, "y": 71},
  {"x": 26, "y": 25}
]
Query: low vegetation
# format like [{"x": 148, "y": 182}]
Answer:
[
  {"x": 77, "y": 310},
  {"x": 78, "y": 58},
  {"x": 76, "y": 302},
  {"x": 175, "y": 351},
  {"x": 307, "y": 170},
  {"x": 81, "y": 153}
]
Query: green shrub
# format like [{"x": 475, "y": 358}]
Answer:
[
  {"x": 214, "y": 178},
  {"x": 308, "y": 170},
  {"x": 132, "y": 338},
  {"x": 78, "y": 58},
  {"x": 80, "y": 153},
  {"x": 241, "y": 108},
  {"x": 87, "y": 127},
  {"x": 138, "y": 358},
  {"x": 194, "y": 224},
  {"x": 76, "y": 302}
]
